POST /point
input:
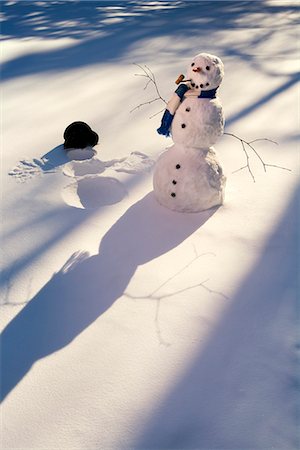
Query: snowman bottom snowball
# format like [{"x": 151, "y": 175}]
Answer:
[{"x": 188, "y": 179}]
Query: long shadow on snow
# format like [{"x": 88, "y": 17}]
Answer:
[
  {"x": 85, "y": 288},
  {"x": 65, "y": 220},
  {"x": 290, "y": 81},
  {"x": 115, "y": 31},
  {"x": 241, "y": 390}
]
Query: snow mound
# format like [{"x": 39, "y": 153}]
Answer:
[
  {"x": 137, "y": 162},
  {"x": 76, "y": 163},
  {"x": 82, "y": 168},
  {"x": 81, "y": 154},
  {"x": 91, "y": 192}
]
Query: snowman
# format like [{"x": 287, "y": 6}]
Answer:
[{"x": 187, "y": 176}]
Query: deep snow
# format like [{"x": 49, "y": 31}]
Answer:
[{"x": 126, "y": 325}]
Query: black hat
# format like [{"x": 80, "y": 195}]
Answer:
[{"x": 79, "y": 135}]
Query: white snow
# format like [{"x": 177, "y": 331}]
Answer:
[
  {"x": 203, "y": 122},
  {"x": 188, "y": 179},
  {"x": 127, "y": 325}
]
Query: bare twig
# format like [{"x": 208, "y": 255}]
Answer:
[
  {"x": 144, "y": 104},
  {"x": 263, "y": 139},
  {"x": 149, "y": 75},
  {"x": 251, "y": 147},
  {"x": 247, "y": 166},
  {"x": 156, "y": 114}
]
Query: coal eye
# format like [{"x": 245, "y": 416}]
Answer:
[
  {"x": 192, "y": 64},
  {"x": 207, "y": 68},
  {"x": 207, "y": 84}
]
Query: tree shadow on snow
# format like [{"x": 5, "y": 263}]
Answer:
[
  {"x": 87, "y": 286},
  {"x": 241, "y": 390},
  {"x": 104, "y": 31}
]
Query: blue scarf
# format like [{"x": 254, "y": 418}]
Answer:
[{"x": 208, "y": 94}]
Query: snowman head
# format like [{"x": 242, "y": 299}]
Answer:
[{"x": 205, "y": 72}]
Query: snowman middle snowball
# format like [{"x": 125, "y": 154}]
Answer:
[{"x": 187, "y": 176}]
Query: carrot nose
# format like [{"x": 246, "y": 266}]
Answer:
[{"x": 197, "y": 69}]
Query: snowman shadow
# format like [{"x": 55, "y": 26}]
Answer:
[{"x": 86, "y": 286}]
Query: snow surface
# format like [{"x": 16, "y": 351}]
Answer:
[{"x": 126, "y": 325}]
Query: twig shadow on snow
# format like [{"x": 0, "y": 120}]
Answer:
[{"x": 87, "y": 286}]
